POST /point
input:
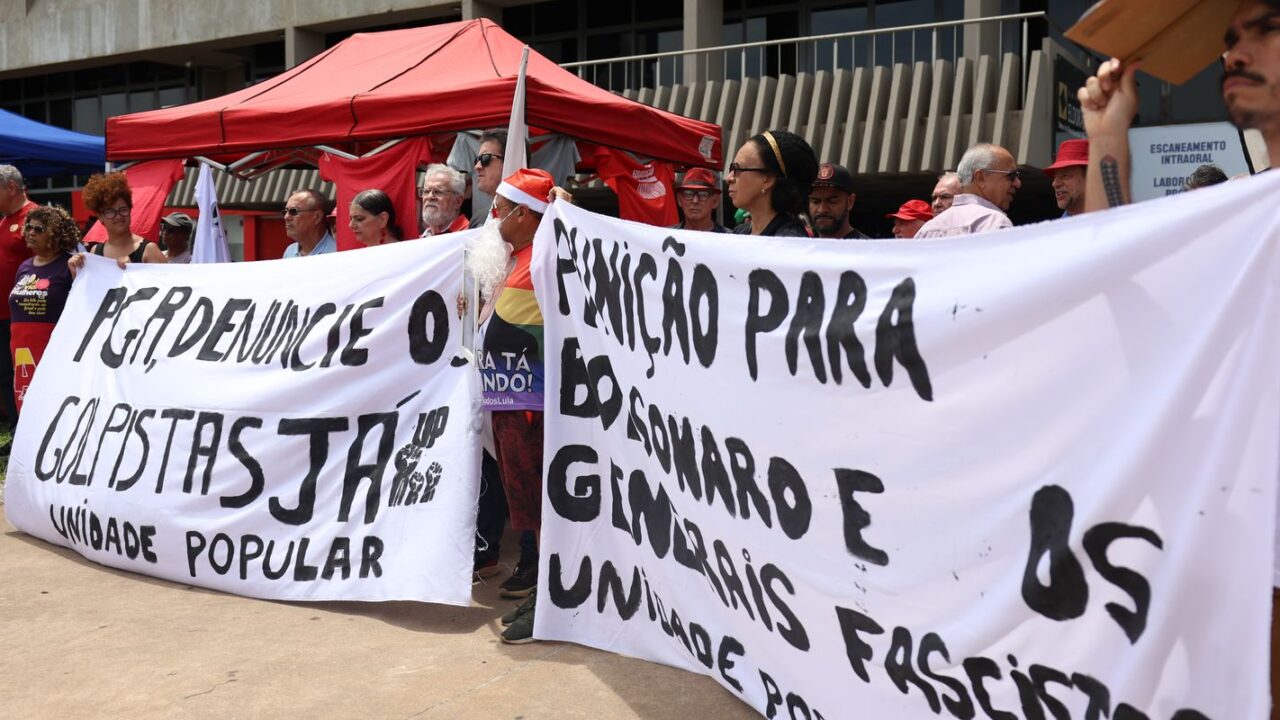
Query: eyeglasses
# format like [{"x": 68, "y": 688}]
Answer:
[
  {"x": 701, "y": 195},
  {"x": 737, "y": 169},
  {"x": 37, "y": 229},
  {"x": 435, "y": 192},
  {"x": 1014, "y": 175},
  {"x": 293, "y": 211},
  {"x": 483, "y": 159},
  {"x": 112, "y": 213}
]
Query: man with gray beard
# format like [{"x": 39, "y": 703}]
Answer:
[{"x": 442, "y": 189}]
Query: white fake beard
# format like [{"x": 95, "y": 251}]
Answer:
[{"x": 488, "y": 256}]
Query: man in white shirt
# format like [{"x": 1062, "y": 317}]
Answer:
[
  {"x": 989, "y": 179},
  {"x": 306, "y": 223},
  {"x": 175, "y": 232}
]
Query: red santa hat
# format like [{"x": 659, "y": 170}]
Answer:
[{"x": 529, "y": 187}]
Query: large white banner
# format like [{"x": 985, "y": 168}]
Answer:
[
  {"x": 1029, "y": 474},
  {"x": 297, "y": 429}
]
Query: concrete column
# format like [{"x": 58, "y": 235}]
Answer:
[
  {"x": 301, "y": 45},
  {"x": 476, "y": 9},
  {"x": 983, "y": 39},
  {"x": 703, "y": 27}
]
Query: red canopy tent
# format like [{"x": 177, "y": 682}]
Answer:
[{"x": 384, "y": 86}]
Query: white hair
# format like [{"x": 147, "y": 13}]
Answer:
[
  {"x": 457, "y": 183},
  {"x": 11, "y": 174},
  {"x": 949, "y": 176},
  {"x": 978, "y": 157}
]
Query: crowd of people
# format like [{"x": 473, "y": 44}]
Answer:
[{"x": 775, "y": 182}]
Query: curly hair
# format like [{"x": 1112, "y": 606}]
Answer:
[
  {"x": 104, "y": 189},
  {"x": 791, "y": 190},
  {"x": 65, "y": 232}
]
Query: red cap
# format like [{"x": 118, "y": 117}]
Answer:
[
  {"x": 1071, "y": 153},
  {"x": 913, "y": 210},
  {"x": 699, "y": 179}
]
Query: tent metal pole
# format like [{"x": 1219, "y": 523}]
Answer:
[
  {"x": 233, "y": 167},
  {"x": 335, "y": 151},
  {"x": 211, "y": 163},
  {"x": 384, "y": 146}
]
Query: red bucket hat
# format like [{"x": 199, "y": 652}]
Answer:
[
  {"x": 1071, "y": 153},
  {"x": 913, "y": 210},
  {"x": 699, "y": 179}
]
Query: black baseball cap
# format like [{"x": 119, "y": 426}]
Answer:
[{"x": 834, "y": 176}]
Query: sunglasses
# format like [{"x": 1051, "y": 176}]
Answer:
[
  {"x": 737, "y": 169},
  {"x": 112, "y": 213},
  {"x": 293, "y": 211},
  {"x": 37, "y": 229},
  {"x": 1013, "y": 174},
  {"x": 483, "y": 159}
]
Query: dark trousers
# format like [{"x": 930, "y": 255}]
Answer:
[
  {"x": 491, "y": 514},
  {"x": 491, "y": 517},
  {"x": 6, "y": 377}
]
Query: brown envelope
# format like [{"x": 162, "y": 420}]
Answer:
[{"x": 1175, "y": 39}]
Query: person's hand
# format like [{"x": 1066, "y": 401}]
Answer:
[
  {"x": 559, "y": 193},
  {"x": 1109, "y": 99},
  {"x": 122, "y": 261},
  {"x": 74, "y": 263},
  {"x": 461, "y": 304}
]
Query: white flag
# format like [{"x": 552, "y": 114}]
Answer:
[
  {"x": 210, "y": 240},
  {"x": 517, "y": 131}
]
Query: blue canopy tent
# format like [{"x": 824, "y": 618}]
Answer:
[{"x": 40, "y": 150}]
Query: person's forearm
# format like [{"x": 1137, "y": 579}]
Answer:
[{"x": 1107, "y": 182}]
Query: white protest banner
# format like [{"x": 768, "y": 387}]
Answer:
[
  {"x": 1164, "y": 156},
  {"x": 1028, "y": 474},
  {"x": 296, "y": 429}
]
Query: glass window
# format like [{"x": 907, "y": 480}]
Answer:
[
  {"x": 88, "y": 116},
  {"x": 604, "y": 14},
  {"x": 518, "y": 20},
  {"x": 33, "y": 86},
  {"x": 114, "y": 104},
  {"x": 142, "y": 100},
  {"x": 11, "y": 89},
  {"x": 35, "y": 110},
  {"x": 173, "y": 96},
  {"x": 652, "y": 10},
  {"x": 60, "y": 113},
  {"x": 555, "y": 16}
]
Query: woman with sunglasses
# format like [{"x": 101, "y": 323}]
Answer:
[
  {"x": 108, "y": 196},
  {"x": 770, "y": 178},
  {"x": 41, "y": 289}
]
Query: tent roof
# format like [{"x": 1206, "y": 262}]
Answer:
[
  {"x": 40, "y": 150},
  {"x": 400, "y": 83}
]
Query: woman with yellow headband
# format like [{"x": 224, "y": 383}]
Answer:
[{"x": 770, "y": 178}]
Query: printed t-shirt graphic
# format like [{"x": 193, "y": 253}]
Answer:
[
  {"x": 511, "y": 369},
  {"x": 643, "y": 189},
  {"x": 35, "y": 302}
]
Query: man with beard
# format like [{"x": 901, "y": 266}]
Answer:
[
  {"x": 831, "y": 199},
  {"x": 1251, "y": 92},
  {"x": 511, "y": 359},
  {"x": 1067, "y": 173},
  {"x": 442, "y": 189}
]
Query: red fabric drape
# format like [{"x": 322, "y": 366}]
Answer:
[
  {"x": 644, "y": 190},
  {"x": 150, "y": 182},
  {"x": 393, "y": 171}
]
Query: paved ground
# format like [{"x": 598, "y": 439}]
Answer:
[{"x": 84, "y": 641}]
